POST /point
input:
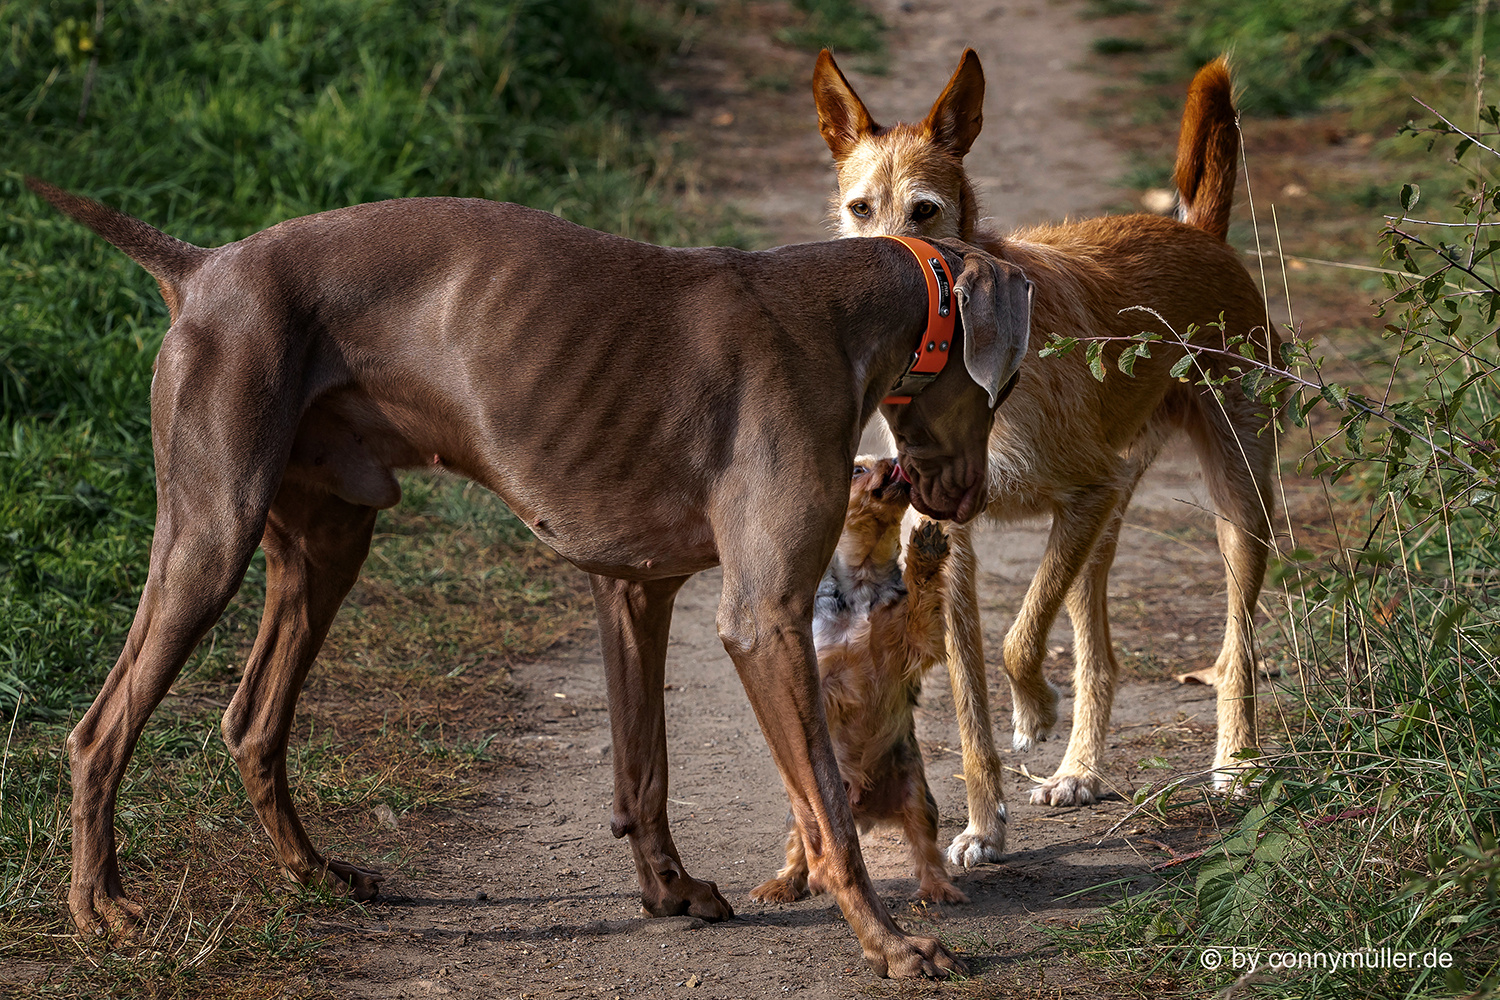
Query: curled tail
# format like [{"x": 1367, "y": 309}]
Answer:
[
  {"x": 167, "y": 259},
  {"x": 1208, "y": 151}
]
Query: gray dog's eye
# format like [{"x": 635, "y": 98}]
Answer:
[
  {"x": 924, "y": 209},
  {"x": 860, "y": 208}
]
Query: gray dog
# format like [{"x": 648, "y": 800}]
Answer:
[{"x": 649, "y": 413}]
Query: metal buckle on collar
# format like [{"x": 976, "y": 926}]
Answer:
[{"x": 931, "y": 355}]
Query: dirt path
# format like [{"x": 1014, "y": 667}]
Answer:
[{"x": 528, "y": 895}]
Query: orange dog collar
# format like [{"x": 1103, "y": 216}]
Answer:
[{"x": 931, "y": 354}]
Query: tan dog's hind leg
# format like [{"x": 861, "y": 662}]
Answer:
[
  {"x": 984, "y": 839},
  {"x": 1237, "y": 469},
  {"x": 634, "y": 621},
  {"x": 315, "y": 544}
]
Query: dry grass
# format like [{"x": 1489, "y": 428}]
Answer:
[{"x": 409, "y": 707}]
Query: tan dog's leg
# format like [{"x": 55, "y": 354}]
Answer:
[
  {"x": 634, "y": 622},
  {"x": 315, "y": 544},
  {"x": 1076, "y": 527},
  {"x": 1237, "y": 469},
  {"x": 1079, "y": 778},
  {"x": 984, "y": 839}
]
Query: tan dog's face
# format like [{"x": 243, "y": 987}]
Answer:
[
  {"x": 906, "y": 180},
  {"x": 899, "y": 184}
]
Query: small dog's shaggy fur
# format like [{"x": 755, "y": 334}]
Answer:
[{"x": 877, "y": 630}]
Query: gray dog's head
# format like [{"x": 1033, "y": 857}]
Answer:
[{"x": 942, "y": 435}]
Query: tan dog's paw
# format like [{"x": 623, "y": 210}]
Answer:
[
  {"x": 1066, "y": 790},
  {"x": 1034, "y": 713},
  {"x": 927, "y": 549},
  {"x": 975, "y": 846},
  {"x": 779, "y": 890}
]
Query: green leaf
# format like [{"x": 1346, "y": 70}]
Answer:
[
  {"x": 1184, "y": 363},
  {"x": 1336, "y": 395},
  {"x": 1410, "y": 195},
  {"x": 1272, "y": 847},
  {"x": 1096, "y": 359},
  {"x": 1453, "y": 612},
  {"x": 1059, "y": 346}
]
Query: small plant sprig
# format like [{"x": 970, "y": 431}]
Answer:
[
  {"x": 1374, "y": 824},
  {"x": 1292, "y": 389}
]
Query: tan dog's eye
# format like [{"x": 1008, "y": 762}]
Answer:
[
  {"x": 924, "y": 210},
  {"x": 859, "y": 470},
  {"x": 860, "y": 208}
]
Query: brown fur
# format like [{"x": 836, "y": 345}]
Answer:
[
  {"x": 878, "y": 630},
  {"x": 1072, "y": 447},
  {"x": 649, "y": 412}
]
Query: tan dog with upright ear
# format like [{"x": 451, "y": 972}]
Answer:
[
  {"x": 878, "y": 629},
  {"x": 1067, "y": 445}
]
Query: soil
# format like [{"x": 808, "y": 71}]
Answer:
[{"x": 528, "y": 895}]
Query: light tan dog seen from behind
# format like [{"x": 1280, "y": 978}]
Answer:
[
  {"x": 878, "y": 629},
  {"x": 1070, "y": 446}
]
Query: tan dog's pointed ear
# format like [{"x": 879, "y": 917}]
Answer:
[
  {"x": 958, "y": 113},
  {"x": 842, "y": 117},
  {"x": 994, "y": 304}
]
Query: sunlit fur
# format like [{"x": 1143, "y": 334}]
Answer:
[
  {"x": 1068, "y": 445},
  {"x": 878, "y": 630},
  {"x": 896, "y": 174}
]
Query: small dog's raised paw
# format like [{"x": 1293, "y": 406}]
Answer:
[
  {"x": 927, "y": 550},
  {"x": 928, "y": 539}
]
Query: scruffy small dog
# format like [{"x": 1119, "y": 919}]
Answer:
[{"x": 877, "y": 631}]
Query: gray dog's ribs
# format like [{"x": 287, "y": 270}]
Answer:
[{"x": 649, "y": 411}]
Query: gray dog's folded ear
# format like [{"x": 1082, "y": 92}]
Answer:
[{"x": 994, "y": 302}]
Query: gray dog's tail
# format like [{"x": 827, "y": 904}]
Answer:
[{"x": 168, "y": 259}]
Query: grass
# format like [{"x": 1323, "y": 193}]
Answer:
[
  {"x": 845, "y": 26},
  {"x": 1371, "y": 822},
  {"x": 213, "y": 120},
  {"x": 409, "y": 707},
  {"x": 1293, "y": 56}
]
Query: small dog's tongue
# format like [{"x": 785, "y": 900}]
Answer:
[{"x": 899, "y": 474}]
